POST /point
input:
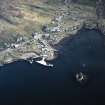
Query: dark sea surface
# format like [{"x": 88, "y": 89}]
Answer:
[{"x": 22, "y": 83}]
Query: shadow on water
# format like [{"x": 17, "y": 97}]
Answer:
[{"x": 34, "y": 84}]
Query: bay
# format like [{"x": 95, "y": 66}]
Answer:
[{"x": 35, "y": 84}]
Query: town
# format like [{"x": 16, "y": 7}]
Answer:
[{"x": 46, "y": 29}]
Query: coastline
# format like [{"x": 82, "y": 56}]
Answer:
[
  {"x": 57, "y": 49},
  {"x": 63, "y": 26}
]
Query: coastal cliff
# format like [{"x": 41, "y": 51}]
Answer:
[{"x": 30, "y": 28}]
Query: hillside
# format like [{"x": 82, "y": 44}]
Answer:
[{"x": 29, "y": 28}]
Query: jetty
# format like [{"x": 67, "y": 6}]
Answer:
[{"x": 43, "y": 62}]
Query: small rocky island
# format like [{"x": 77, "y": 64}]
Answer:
[{"x": 32, "y": 28}]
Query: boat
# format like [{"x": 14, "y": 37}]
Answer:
[
  {"x": 43, "y": 62},
  {"x": 30, "y": 60}
]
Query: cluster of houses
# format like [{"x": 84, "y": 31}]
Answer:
[
  {"x": 17, "y": 43},
  {"x": 41, "y": 42}
]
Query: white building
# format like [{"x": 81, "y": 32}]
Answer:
[{"x": 55, "y": 29}]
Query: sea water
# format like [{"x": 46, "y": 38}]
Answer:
[{"x": 23, "y": 83}]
